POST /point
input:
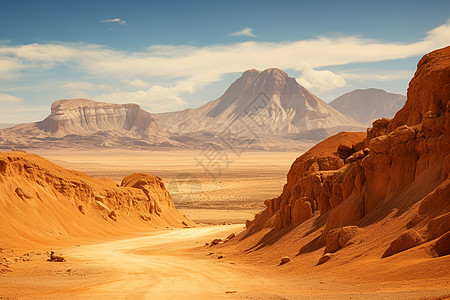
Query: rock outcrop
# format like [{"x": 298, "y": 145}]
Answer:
[
  {"x": 41, "y": 199},
  {"x": 400, "y": 165}
]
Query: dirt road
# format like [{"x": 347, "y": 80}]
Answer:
[
  {"x": 163, "y": 265},
  {"x": 153, "y": 267}
]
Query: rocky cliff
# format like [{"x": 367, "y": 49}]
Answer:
[
  {"x": 397, "y": 174},
  {"x": 41, "y": 201}
]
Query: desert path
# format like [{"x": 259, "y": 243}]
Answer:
[
  {"x": 150, "y": 267},
  {"x": 164, "y": 265}
]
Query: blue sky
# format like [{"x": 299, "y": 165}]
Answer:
[{"x": 171, "y": 55}]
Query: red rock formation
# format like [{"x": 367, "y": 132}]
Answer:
[
  {"x": 399, "y": 163},
  {"x": 40, "y": 199}
]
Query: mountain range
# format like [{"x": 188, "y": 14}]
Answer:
[{"x": 262, "y": 110}]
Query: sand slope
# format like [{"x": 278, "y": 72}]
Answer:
[{"x": 41, "y": 203}]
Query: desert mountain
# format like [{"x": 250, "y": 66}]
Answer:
[
  {"x": 267, "y": 107},
  {"x": 365, "y": 197},
  {"x": 261, "y": 110},
  {"x": 87, "y": 122},
  {"x": 40, "y": 202},
  {"x": 367, "y": 105}
]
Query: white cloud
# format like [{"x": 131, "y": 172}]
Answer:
[
  {"x": 320, "y": 81},
  {"x": 156, "y": 98},
  {"x": 183, "y": 69},
  {"x": 116, "y": 20},
  {"x": 136, "y": 83},
  {"x": 9, "y": 67},
  {"x": 9, "y": 98},
  {"x": 82, "y": 85},
  {"x": 244, "y": 32}
]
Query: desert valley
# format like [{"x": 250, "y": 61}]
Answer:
[{"x": 266, "y": 192}]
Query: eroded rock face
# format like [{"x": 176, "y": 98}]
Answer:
[
  {"x": 84, "y": 117},
  {"x": 40, "y": 197},
  {"x": 153, "y": 188},
  {"x": 385, "y": 168},
  {"x": 89, "y": 123}
]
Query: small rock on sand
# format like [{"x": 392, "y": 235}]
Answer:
[
  {"x": 216, "y": 242},
  {"x": 284, "y": 260},
  {"x": 326, "y": 257}
]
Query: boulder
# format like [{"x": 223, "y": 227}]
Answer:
[
  {"x": 284, "y": 260},
  {"x": 23, "y": 193},
  {"x": 407, "y": 240},
  {"x": 442, "y": 246},
  {"x": 340, "y": 237},
  {"x": 324, "y": 258}
]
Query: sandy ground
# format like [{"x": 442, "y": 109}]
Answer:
[
  {"x": 173, "y": 264},
  {"x": 232, "y": 195}
]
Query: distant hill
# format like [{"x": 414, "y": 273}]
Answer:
[
  {"x": 7, "y": 125},
  {"x": 261, "y": 110},
  {"x": 368, "y": 105}
]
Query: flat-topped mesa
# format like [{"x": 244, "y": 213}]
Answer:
[{"x": 85, "y": 117}]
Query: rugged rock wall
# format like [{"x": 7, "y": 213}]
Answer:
[
  {"x": 400, "y": 163},
  {"x": 38, "y": 198}
]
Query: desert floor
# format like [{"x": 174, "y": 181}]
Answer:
[
  {"x": 208, "y": 187},
  {"x": 176, "y": 263}
]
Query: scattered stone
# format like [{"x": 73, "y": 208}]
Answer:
[
  {"x": 220, "y": 257},
  {"x": 69, "y": 270},
  {"x": 112, "y": 215},
  {"x": 215, "y": 242},
  {"x": 284, "y": 260},
  {"x": 145, "y": 217},
  {"x": 230, "y": 292},
  {"x": 210, "y": 253},
  {"x": 326, "y": 257},
  {"x": 56, "y": 258},
  {"x": 231, "y": 236},
  {"x": 23, "y": 194},
  {"x": 185, "y": 224},
  {"x": 81, "y": 209}
]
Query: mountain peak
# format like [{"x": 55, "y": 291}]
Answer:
[
  {"x": 271, "y": 72},
  {"x": 274, "y": 72}
]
